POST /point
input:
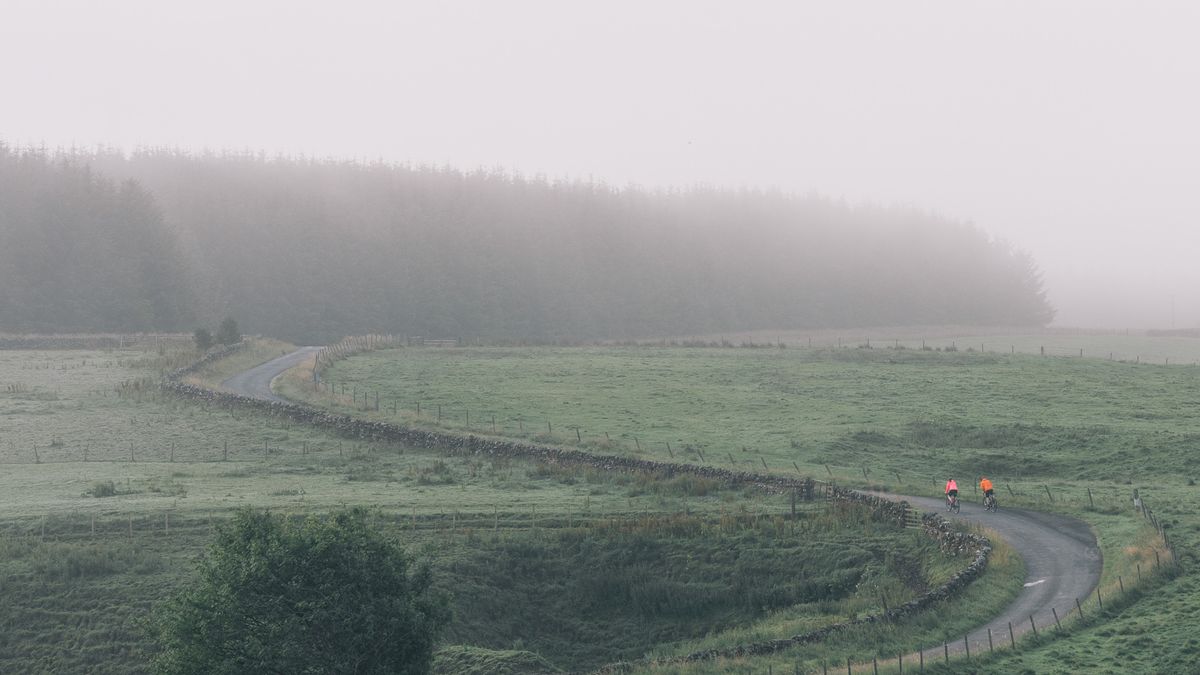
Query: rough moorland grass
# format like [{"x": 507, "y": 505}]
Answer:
[
  {"x": 947, "y": 621},
  {"x": 580, "y": 591}
]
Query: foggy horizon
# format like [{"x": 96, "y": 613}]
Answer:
[{"x": 1066, "y": 129}]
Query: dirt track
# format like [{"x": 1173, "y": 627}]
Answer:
[{"x": 1062, "y": 559}]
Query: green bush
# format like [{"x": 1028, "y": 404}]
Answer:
[{"x": 313, "y": 596}]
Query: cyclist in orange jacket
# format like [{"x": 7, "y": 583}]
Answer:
[{"x": 989, "y": 496}]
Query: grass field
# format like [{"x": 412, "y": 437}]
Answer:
[
  {"x": 108, "y": 490},
  {"x": 1083, "y": 432}
]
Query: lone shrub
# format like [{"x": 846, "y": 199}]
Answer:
[
  {"x": 314, "y": 596},
  {"x": 203, "y": 338}
]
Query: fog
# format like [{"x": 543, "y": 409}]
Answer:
[{"x": 1066, "y": 128}]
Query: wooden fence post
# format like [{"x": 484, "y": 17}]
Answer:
[
  {"x": 1034, "y": 625},
  {"x": 1048, "y": 493},
  {"x": 1078, "y": 608},
  {"x": 1090, "y": 502},
  {"x": 967, "y": 644},
  {"x": 991, "y": 647},
  {"x": 1011, "y": 638},
  {"x": 1057, "y": 623}
]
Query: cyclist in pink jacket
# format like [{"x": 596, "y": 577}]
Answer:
[{"x": 951, "y": 492}]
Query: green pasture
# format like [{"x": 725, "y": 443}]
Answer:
[
  {"x": 1117, "y": 345},
  {"x": 1067, "y": 434},
  {"x": 109, "y": 490}
]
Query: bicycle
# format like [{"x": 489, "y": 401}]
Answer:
[
  {"x": 952, "y": 503},
  {"x": 989, "y": 503}
]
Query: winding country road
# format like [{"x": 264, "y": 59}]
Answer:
[
  {"x": 256, "y": 382},
  {"x": 1062, "y": 563},
  {"x": 1062, "y": 559}
]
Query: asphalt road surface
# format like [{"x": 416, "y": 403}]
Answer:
[
  {"x": 1062, "y": 563},
  {"x": 1062, "y": 558},
  {"x": 256, "y": 382}
]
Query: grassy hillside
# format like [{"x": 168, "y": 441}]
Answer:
[
  {"x": 109, "y": 490},
  {"x": 1063, "y": 434}
]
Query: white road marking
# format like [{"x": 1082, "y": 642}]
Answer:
[{"x": 1035, "y": 583}]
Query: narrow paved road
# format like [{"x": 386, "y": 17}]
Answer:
[
  {"x": 1062, "y": 563},
  {"x": 256, "y": 382},
  {"x": 1062, "y": 558}
]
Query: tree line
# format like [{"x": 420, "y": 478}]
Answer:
[{"x": 310, "y": 250}]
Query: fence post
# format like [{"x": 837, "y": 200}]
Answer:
[
  {"x": 1034, "y": 625},
  {"x": 967, "y": 644},
  {"x": 1048, "y": 493},
  {"x": 1121, "y": 583},
  {"x": 1090, "y": 502},
  {"x": 1011, "y": 638},
  {"x": 946, "y": 650},
  {"x": 1057, "y": 623},
  {"x": 991, "y": 647},
  {"x": 1099, "y": 599},
  {"x": 1139, "y": 571},
  {"x": 1078, "y": 608},
  {"x": 875, "y": 664}
]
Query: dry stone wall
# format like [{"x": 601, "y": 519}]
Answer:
[{"x": 949, "y": 539}]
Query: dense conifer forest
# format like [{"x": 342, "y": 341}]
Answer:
[{"x": 310, "y": 250}]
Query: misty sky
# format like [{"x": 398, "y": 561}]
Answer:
[{"x": 1069, "y": 128}]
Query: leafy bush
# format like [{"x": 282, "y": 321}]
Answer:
[{"x": 313, "y": 596}]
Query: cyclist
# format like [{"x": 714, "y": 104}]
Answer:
[
  {"x": 951, "y": 492},
  {"x": 988, "y": 493}
]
